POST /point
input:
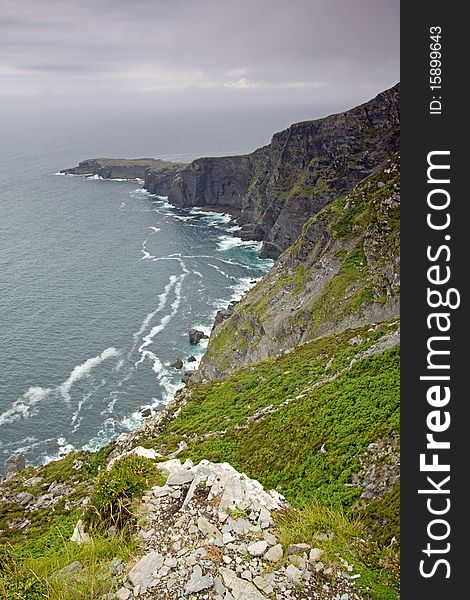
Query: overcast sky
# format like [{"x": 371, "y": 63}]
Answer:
[{"x": 186, "y": 52}]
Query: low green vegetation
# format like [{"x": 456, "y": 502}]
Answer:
[
  {"x": 31, "y": 571},
  {"x": 342, "y": 539},
  {"x": 114, "y": 490}
]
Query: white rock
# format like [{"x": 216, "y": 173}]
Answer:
[
  {"x": 149, "y": 453},
  {"x": 210, "y": 531},
  {"x": 198, "y": 582},
  {"x": 143, "y": 570},
  {"x": 274, "y": 554},
  {"x": 315, "y": 554},
  {"x": 79, "y": 536},
  {"x": 241, "y": 589},
  {"x": 257, "y": 548},
  {"x": 293, "y": 574}
]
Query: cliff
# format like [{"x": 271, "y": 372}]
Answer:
[
  {"x": 149, "y": 169},
  {"x": 342, "y": 272},
  {"x": 275, "y": 471},
  {"x": 278, "y": 187}
]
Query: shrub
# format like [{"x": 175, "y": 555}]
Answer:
[{"x": 115, "y": 489}]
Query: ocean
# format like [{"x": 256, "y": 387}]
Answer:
[{"x": 100, "y": 281}]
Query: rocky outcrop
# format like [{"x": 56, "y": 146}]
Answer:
[
  {"x": 342, "y": 272},
  {"x": 211, "y": 530},
  {"x": 154, "y": 171},
  {"x": 278, "y": 187},
  {"x": 13, "y": 464}
]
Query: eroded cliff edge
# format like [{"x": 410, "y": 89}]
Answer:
[{"x": 278, "y": 187}]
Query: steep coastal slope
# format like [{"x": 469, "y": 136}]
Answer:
[
  {"x": 342, "y": 272},
  {"x": 277, "y": 188},
  {"x": 299, "y": 390}
]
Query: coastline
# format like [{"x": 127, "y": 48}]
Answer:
[{"x": 159, "y": 408}]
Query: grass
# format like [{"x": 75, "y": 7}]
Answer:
[
  {"x": 378, "y": 567},
  {"x": 27, "y": 572},
  {"x": 115, "y": 490},
  {"x": 358, "y": 406}
]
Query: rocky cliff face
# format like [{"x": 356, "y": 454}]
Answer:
[
  {"x": 342, "y": 272},
  {"x": 278, "y": 187}
]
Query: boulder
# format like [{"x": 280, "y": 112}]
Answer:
[
  {"x": 177, "y": 364},
  {"x": 145, "y": 412},
  {"x": 191, "y": 358},
  {"x": 195, "y": 336}
]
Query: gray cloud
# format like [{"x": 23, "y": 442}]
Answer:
[{"x": 196, "y": 51}]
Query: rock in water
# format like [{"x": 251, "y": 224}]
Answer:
[
  {"x": 195, "y": 336},
  {"x": 192, "y": 358},
  {"x": 177, "y": 364},
  {"x": 13, "y": 464}
]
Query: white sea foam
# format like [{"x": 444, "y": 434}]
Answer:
[
  {"x": 83, "y": 370},
  {"x": 25, "y": 406},
  {"x": 154, "y": 230},
  {"x": 241, "y": 287},
  {"x": 162, "y": 298},
  {"x": 227, "y": 242},
  {"x": 221, "y": 271},
  {"x": 145, "y": 253},
  {"x": 181, "y": 217},
  {"x": 148, "y": 339}
]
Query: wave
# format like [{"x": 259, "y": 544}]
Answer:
[
  {"x": 209, "y": 215},
  {"x": 228, "y": 242},
  {"x": 145, "y": 253},
  {"x": 83, "y": 370},
  {"x": 221, "y": 271},
  {"x": 161, "y": 305},
  {"x": 240, "y": 288},
  {"x": 154, "y": 229},
  {"x": 25, "y": 406},
  {"x": 148, "y": 339}
]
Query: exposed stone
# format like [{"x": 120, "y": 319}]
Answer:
[
  {"x": 146, "y": 412},
  {"x": 68, "y": 570},
  {"x": 198, "y": 582},
  {"x": 297, "y": 561},
  {"x": 123, "y": 594},
  {"x": 210, "y": 531},
  {"x": 240, "y": 588},
  {"x": 293, "y": 574},
  {"x": 177, "y": 364},
  {"x": 180, "y": 478},
  {"x": 274, "y": 554},
  {"x": 23, "y": 498},
  {"x": 298, "y": 548},
  {"x": 79, "y": 535},
  {"x": 195, "y": 336},
  {"x": 315, "y": 554},
  {"x": 13, "y": 464},
  {"x": 257, "y": 548},
  {"x": 142, "y": 571}
]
